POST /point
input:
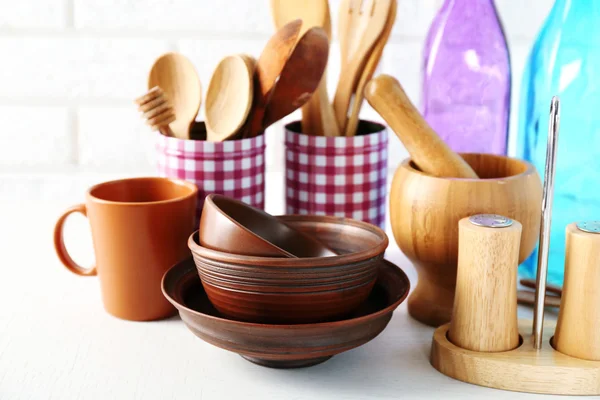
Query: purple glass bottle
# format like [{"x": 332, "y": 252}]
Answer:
[{"x": 466, "y": 82}]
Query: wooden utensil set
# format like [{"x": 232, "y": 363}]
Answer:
[{"x": 246, "y": 96}]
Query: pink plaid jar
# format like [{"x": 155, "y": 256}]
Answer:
[
  {"x": 340, "y": 176},
  {"x": 233, "y": 168}
]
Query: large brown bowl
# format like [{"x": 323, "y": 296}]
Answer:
[
  {"x": 296, "y": 290},
  {"x": 235, "y": 227},
  {"x": 284, "y": 346}
]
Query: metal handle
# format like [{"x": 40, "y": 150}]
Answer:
[{"x": 546, "y": 221}]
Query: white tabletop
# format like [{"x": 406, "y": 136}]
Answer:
[{"x": 57, "y": 342}]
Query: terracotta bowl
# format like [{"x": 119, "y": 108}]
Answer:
[
  {"x": 294, "y": 290},
  {"x": 425, "y": 210},
  {"x": 284, "y": 346},
  {"x": 234, "y": 227}
]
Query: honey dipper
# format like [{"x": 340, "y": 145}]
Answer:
[{"x": 157, "y": 110}]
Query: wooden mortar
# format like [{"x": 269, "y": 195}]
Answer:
[{"x": 425, "y": 211}]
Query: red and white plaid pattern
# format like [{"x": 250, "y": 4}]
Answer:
[
  {"x": 234, "y": 168},
  {"x": 340, "y": 176}
]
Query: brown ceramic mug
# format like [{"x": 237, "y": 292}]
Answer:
[{"x": 140, "y": 228}]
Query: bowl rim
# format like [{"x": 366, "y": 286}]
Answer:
[
  {"x": 529, "y": 170},
  {"x": 299, "y": 262},
  {"x": 330, "y": 324},
  {"x": 212, "y": 201}
]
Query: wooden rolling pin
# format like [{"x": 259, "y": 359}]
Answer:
[{"x": 427, "y": 150}]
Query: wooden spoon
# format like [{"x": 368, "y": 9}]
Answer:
[
  {"x": 268, "y": 68},
  {"x": 428, "y": 151},
  {"x": 360, "y": 25},
  {"x": 318, "y": 117},
  {"x": 157, "y": 110},
  {"x": 369, "y": 70},
  {"x": 299, "y": 77},
  {"x": 229, "y": 97},
  {"x": 177, "y": 77}
]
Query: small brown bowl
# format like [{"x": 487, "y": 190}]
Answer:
[
  {"x": 296, "y": 290},
  {"x": 234, "y": 227},
  {"x": 284, "y": 346}
]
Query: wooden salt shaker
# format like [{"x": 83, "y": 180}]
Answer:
[
  {"x": 484, "y": 317},
  {"x": 578, "y": 328}
]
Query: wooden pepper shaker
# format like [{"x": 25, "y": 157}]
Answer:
[
  {"x": 578, "y": 328},
  {"x": 484, "y": 317}
]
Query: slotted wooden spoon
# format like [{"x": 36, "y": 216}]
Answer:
[
  {"x": 360, "y": 25},
  {"x": 157, "y": 110},
  {"x": 318, "y": 117}
]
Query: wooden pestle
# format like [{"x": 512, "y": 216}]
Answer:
[
  {"x": 484, "y": 317},
  {"x": 578, "y": 327},
  {"x": 157, "y": 110},
  {"x": 427, "y": 150}
]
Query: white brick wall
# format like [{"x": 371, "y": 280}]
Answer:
[{"x": 71, "y": 69}]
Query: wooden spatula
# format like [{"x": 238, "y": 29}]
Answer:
[
  {"x": 369, "y": 70},
  {"x": 360, "y": 25},
  {"x": 157, "y": 110},
  {"x": 428, "y": 151},
  {"x": 318, "y": 117}
]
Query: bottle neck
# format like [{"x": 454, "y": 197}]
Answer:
[
  {"x": 582, "y": 10},
  {"x": 469, "y": 8},
  {"x": 472, "y": 4}
]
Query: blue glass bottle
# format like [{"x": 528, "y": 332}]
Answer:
[{"x": 565, "y": 61}]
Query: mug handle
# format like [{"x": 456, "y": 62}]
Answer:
[{"x": 59, "y": 243}]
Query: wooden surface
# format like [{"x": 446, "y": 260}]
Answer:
[
  {"x": 369, "y": 70},
  {"x": 56, "y": 340},
  {"x": 578, "y": 329},
  {"x": 425, "y": 211},
  {"x": 177, "y": 77},
  {"x": 429, "y": 152},
  {"x": 157, "y": 110},
  {"x": 484, "y": 317},
  {"x": 360, "y": 25},
  {"x": 318, "y": 117},
  {"x": 523, "y": 369},
  {"x": 271, "y": 62},
  {"x": 229, "y": 97}
]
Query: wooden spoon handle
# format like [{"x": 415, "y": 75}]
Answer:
[{"x": 428, "y": 151}]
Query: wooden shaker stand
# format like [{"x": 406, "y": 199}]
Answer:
[{"x": 477, "y": 345}]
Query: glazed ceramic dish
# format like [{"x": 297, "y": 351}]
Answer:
[
  {"x": 235, "y": 227},
  {"x": 285, "y": 346},
  {"x": 295, "y": 290}
]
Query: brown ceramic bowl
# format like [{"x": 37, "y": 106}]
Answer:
[
  {"x": 284, "y": 346},
  {"x": 296, "y": 290},
  {"x": 235, "y": 227}
]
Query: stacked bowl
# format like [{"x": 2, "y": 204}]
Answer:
[
  {"x": 291, "y": 269},
  {"x": 288, "y": 291}
]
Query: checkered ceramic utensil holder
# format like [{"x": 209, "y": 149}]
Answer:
[
  {"x": 340, "y": 176},
  {"x": 234, "y": 168}
]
